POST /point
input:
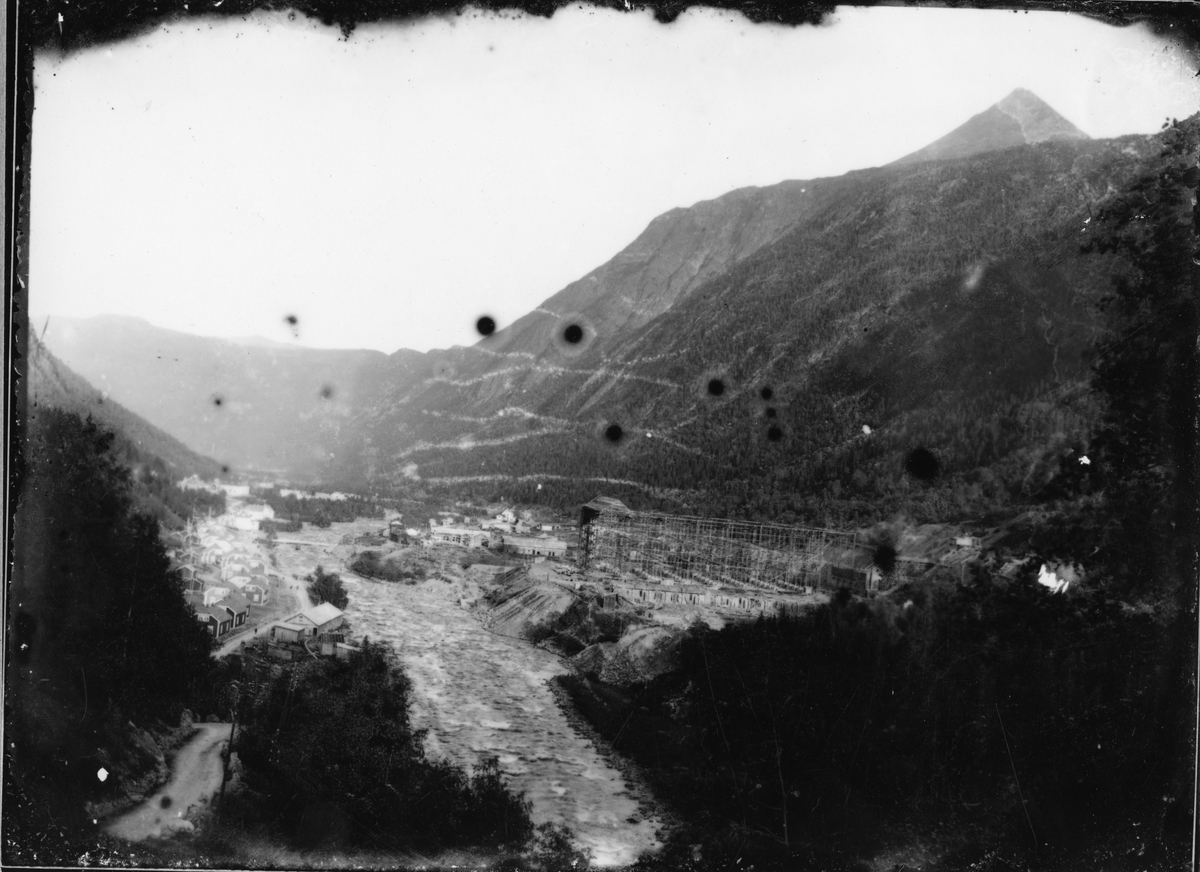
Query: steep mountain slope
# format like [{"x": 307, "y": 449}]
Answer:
[
  {"x": 942, "y": 304},
  {"x": 1021, "y": 118},
  {"x": 259, "y": 406},
  {"x": 155, "y": 460},
  {"x": 53, "y": 384},
  {"x": 676, "y": 252}
]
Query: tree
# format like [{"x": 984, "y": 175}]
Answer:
[
  {"x": 327, "y": 587},
  {"x": 101, "y": 633},
  {"x": 331, "y": 758}
]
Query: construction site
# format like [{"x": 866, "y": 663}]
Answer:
[{"x": 667, "y": 558}]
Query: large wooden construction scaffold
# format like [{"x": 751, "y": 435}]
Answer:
[{"x": 713, "y": 552}]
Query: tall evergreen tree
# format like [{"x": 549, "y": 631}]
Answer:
[{"x": 99, "y": 632}]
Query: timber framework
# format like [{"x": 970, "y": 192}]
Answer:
[{"x": 720, "y": 553}]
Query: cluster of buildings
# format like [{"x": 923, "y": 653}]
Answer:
[
  {"x": 194, "y": 482},
  {"x": 505, "y": 532},
  {"x": 336, "y": 496},
  {"x": 222, "y": 576},
  {"x": 314, "y": 632}
]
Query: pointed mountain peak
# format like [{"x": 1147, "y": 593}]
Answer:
[{"x": 1019, "y": 119}]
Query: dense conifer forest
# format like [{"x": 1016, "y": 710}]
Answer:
[
  {"x": 102, "y": 646},
  {"x": 98, "y": 635}
]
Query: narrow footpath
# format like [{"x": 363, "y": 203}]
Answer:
[{"x": 195, "y": 779}]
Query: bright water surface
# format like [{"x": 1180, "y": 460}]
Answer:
[{"x": 481, "y": 694}]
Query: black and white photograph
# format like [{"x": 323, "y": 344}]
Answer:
[{"x": 602, "y": 436}]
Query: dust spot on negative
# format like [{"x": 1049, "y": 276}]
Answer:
[
  {"x": 770, "y": 412},
  {"x": 613, "y": 433},
  {"x": 774, "y": 433},
  {"x": 884, "y": 557},
  {"x": 921, "y": 463},
  {"x": 293, "y": 322},
  {"x": 218, "y": 400},
  {"x": 224, "y": 469},
  {"x": 716, "y": 387},
  {"x": 766, "y": 393},
  {"x": 486, "y": 325},
  {"x": 573, "y": 334},
  {"x": 326, "y": 392}
]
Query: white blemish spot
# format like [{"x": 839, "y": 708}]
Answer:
[
  {"x": 867, "y": 429},
  {"x": 1085, "y": 460},
  {"x": 102, "y": 774},
  {"x": 1048, "y": 578}
]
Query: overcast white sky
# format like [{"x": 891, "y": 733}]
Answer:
[{"x": 390, "y": 189}]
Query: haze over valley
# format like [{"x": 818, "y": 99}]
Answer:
[
  {"x": 930, "y": 301},
  {"x": 842, "y": 516}
]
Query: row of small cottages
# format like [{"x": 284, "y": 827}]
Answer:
[
  {"x": 254, "y": 586},
  {"x": 221, "y": 616}
]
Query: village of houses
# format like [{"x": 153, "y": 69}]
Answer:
[{"x": 248, "y": 587}]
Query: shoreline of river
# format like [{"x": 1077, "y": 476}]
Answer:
[{"x": 649, "y": 807}]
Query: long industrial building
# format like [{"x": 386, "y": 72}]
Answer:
[{"x": 718, "y": 553}]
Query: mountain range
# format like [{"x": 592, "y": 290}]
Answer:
[
  {"x": 247, "y": 403},
  {"x": 776, "y": 352}
]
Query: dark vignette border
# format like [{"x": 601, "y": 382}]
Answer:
[{"x": 67, "y": 27}]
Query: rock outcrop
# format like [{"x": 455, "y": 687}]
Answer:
[
  {"x": 522, "y": 609},
  {"x": 642, "y": 654}
]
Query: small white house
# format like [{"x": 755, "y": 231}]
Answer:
[
  {"x": 319, "y": 619},
  {"x": 213, "y": 595}
]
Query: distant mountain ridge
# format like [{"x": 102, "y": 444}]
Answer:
[
  {"x": 266, "y": 407},
  {"x": 1021, "y": 118},
  {"x": 776, "y": 349},
  {"x": 51, "y": 383}
]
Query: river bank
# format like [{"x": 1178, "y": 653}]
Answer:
[{"x": 482, "y": 694}]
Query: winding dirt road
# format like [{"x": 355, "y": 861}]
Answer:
[{"x": 195, "y": 779}]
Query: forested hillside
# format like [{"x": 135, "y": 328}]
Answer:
[
  {"x": 257, "y": 406},
  {"x": 155, "y": 459},
  {"x": 952, "y": 306},
  {"x": 99, "y": 638}
]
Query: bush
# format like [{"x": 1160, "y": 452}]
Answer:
[
  {"x": 554, "y": 851},
  {"x": 331, "y": 759},
  {"x": 327, "y": 587},
  {"x": 370, "y": 565},
  {"x": 278, "y": 526}
]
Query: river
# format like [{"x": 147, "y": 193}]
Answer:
[{"x": 481, "y": 694}]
